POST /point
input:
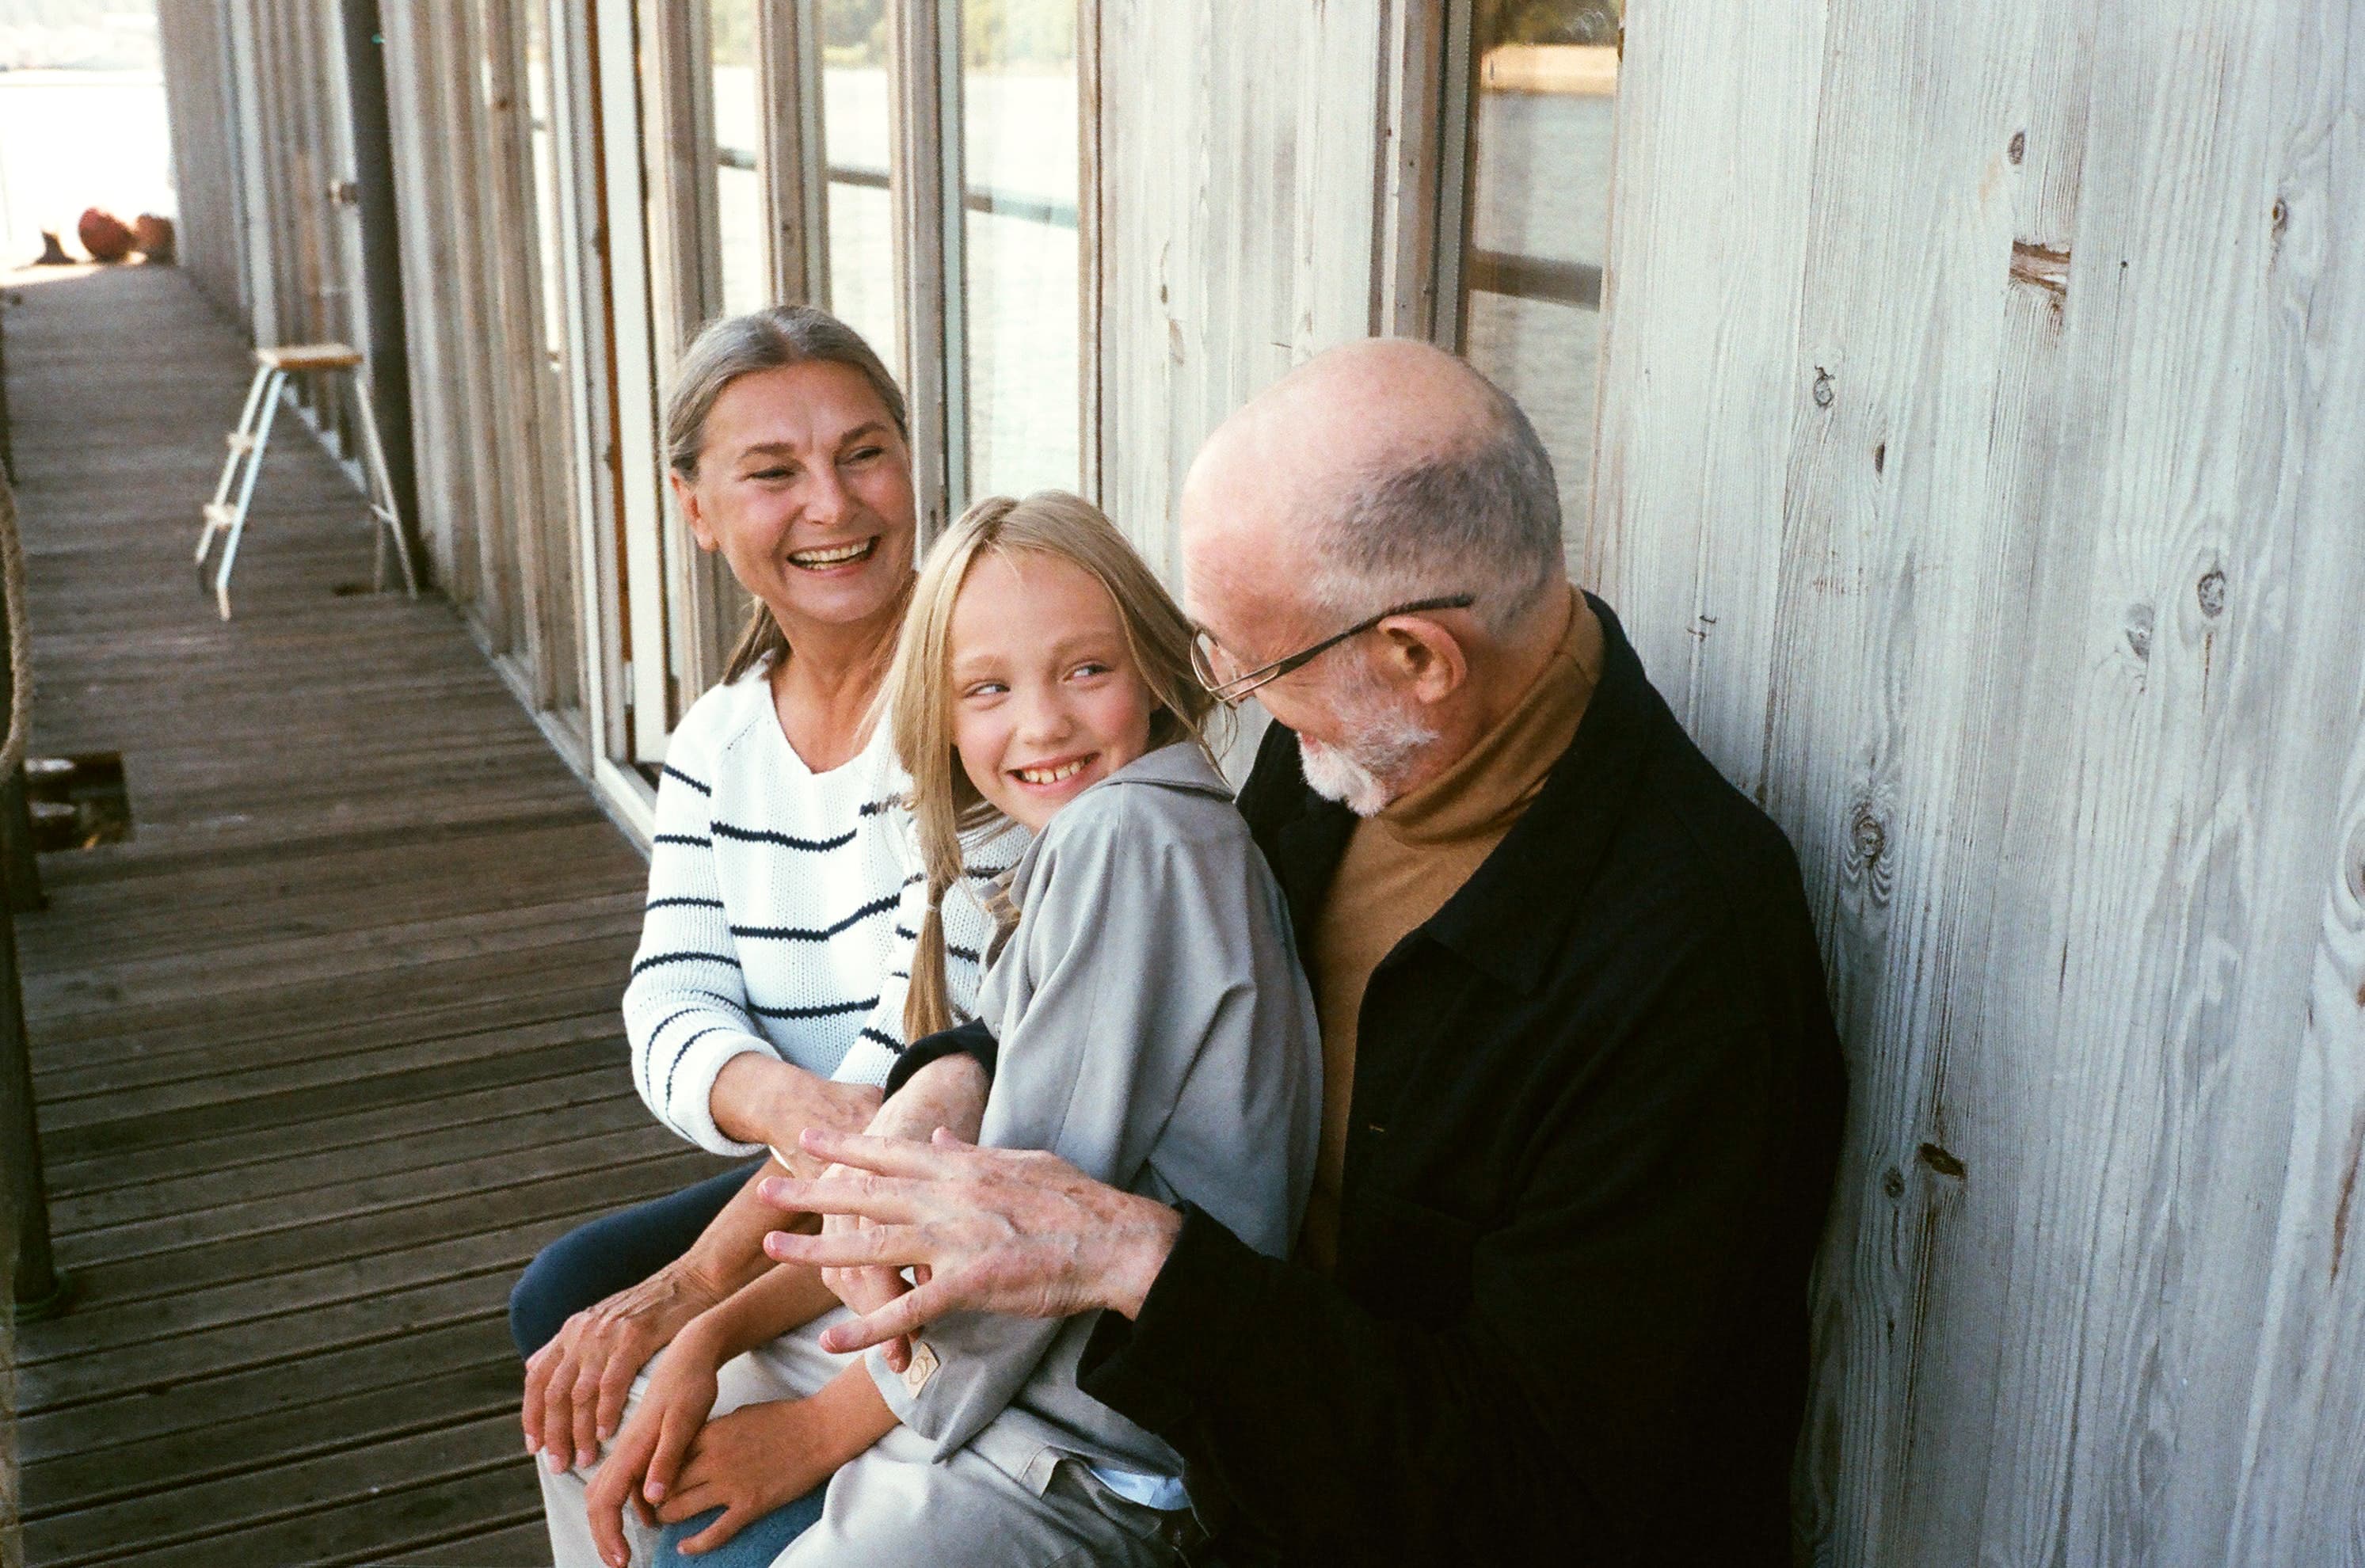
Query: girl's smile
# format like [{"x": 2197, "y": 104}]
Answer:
[{"x": 1046, "y": 697}]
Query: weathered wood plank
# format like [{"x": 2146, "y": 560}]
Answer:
[
  {"x": 1973, "y": 412},
  {"x": 331, "y": 1045}
]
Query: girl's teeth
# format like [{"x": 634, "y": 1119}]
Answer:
[{"x": 1052, "y": 775}]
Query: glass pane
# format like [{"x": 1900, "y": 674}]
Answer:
[
  {"x": 738, "y": 178},
  {"x": 1019, "y": 157},
  {"x": 1545, "y": 86},
  {"x": 854, "y": 128}
]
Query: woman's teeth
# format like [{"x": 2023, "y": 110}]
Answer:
[
  {"x": 815, "y": 559},
  {"x": 1052, "y": 775}
]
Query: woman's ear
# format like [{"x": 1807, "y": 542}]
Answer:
[
  {"x": 692, "y": 513},
  {"x": 1423, "y": 657}
]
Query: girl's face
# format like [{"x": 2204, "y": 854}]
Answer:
[
  {"x": 1046, "y": 696},
  {"x": 805, "y": 487}
]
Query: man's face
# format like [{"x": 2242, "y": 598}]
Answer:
[{"x": 1357, "y": 734}]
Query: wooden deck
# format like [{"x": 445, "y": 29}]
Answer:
[{"x": 330, "y": 1047}]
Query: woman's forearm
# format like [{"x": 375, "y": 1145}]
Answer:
[{"x": 761, "y": 1099}]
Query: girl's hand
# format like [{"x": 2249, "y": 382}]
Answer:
[
  {"x": 747, "y": 1464},
  {"x": 642, "y": 1466}
]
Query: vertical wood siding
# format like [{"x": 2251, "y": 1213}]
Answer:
[
  {"x": 1239, "y": 159},
  {"x": 1979, "y": 463}
]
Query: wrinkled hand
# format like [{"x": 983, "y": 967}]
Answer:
[
  {"x": 1012, "y": 1231},
  {"x": 747, "y": 1464},
  {"x": 949, "y": 1092},
  {"x": 576, "y": 1385},
  {"x": 645, "y": 1459}
]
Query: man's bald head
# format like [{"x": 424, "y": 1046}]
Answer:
[{"x": 1382, "y": 470}]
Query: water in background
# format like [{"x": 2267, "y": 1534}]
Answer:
[{"x": 70, "y": 140}]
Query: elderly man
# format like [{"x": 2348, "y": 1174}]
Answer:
[{"x": 1582, "y": 1094}]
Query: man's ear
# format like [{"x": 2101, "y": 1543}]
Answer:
[
  {"x": 1423, "y": 657},
  {"x": 699, "y": 529}
]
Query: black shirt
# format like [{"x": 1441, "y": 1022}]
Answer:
[{"x": 1595, "y": 1120}]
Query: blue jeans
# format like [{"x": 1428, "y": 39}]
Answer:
[
  {"x": 753, "y": 1547},
  {"x": 595, "y": 1260}
]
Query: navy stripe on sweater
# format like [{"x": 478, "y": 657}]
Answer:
[
  {"x": 671, "y": 771},
  {"x": 818, "y": 934},
  {"x": 826, "y": 1010},
  {"x": 764, "y": 836},
  {"x": 655, "y": 960}
]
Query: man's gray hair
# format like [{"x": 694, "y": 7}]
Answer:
[{"x": 1481, "y": 517}]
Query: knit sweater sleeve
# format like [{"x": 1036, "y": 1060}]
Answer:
[{"x": 686, "y": 1007}]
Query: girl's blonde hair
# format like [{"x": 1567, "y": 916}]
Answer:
[{"x": 918, "y": 689}]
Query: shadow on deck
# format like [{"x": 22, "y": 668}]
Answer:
[{"x": 330, "y": 1048}]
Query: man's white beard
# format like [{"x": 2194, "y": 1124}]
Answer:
[{"x": 1380, "y": 745}]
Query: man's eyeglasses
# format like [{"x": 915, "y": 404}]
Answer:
[{"x": 1227, "y": 682}]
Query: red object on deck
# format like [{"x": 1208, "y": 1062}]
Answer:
[
  {"x": 152, "y": 237},
  {"x": 104, "y": 235}
]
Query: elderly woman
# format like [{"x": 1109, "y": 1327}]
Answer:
[{"x": 767, "y": 992}]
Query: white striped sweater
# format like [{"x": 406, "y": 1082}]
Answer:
[{"x": 783, "y": 906}]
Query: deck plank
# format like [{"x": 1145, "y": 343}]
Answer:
[{"x": 330, "y": 1047}]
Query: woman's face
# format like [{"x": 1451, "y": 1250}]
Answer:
[
  {"x": 805, "y": 487},
  {"x": 1045, "y": 698}
]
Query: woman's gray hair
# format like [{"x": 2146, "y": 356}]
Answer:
[
  {"x": 770, "y": 338},
  {"x": 1482, "y": 517}
]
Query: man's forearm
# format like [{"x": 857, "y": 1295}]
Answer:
[{"x": 948, "y": 1093}]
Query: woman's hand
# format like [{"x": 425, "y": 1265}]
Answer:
[
  {"x": 576, "y": 1385},
  {"x": 642, "y": 1466},
  {"x": 761, "y": 1099}
]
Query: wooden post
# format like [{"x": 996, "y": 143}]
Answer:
[{"x": 39, "y": 1290}]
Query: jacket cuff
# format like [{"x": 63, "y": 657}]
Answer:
[
  {"x": 1153, "y": 1370},
  {"x": 971, "y": 1039},
  {"x": 689, "y": 1093}
]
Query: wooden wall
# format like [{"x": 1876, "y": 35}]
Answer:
[
  {"x": 201, "y": 111},
  {"x": 1979, "y": 471},
  {"x": 1239, "y": 146}
]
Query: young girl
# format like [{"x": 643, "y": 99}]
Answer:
[{"x": 1154, "y": 1030}]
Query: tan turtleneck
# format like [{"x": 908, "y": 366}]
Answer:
[{"x": 1402, "y": 864}]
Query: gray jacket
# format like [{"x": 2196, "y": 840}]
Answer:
[{"x": 1155, "y": 1031}]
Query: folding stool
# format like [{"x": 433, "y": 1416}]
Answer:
[{"x": 272, "y": 367}]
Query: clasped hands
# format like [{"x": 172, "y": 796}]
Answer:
[{"x": 1010, "y": 1231}]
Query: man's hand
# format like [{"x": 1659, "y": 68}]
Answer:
[
  {"x": 948, "y": 1093},
  {"x": 576, "y": 1385},
  {"x": 1011, "y": 1231}
]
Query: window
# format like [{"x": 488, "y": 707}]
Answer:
[
  {"x": 731, "y": 60},
  {"x": 1543, "y": 84},
  {"x": 858, "y": 135},
  {"x": 1020, "y": 259}
]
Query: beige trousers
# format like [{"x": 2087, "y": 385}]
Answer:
[{"x": 893, "y": 1507}]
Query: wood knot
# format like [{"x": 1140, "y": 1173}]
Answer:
[
  {"x": 1880, "y": 457},
  {"x": 1823, "y": 387},
  {"x": 2280, "y": 216},
  {"x": 2019, "y": 148},
  {"x": 1868, "y": 851},
  {"x": 2042, "y": 266},
  {"x": 2210, "y": 592},
  {"x": 1892, "y": 1181},
  {"x": 1938, "y": 1159},
  {"x": 2139, "y": 625},
  {"x": 2357, "y": 866}
]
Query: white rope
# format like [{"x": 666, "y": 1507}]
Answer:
[{"x": 20, "y": 642}]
